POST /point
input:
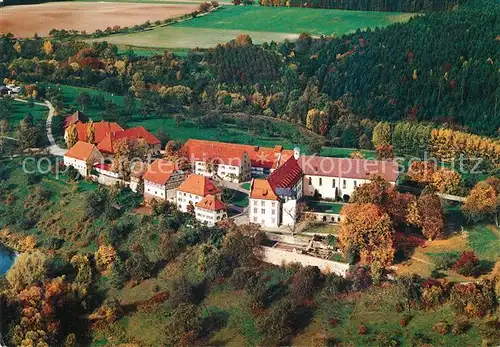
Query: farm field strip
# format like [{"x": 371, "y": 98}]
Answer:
[
  {"x": 263, "y": 24},
  {"x": 88, "y": 16}
]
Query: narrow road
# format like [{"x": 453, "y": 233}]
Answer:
[{"x": 54, "y": 148}]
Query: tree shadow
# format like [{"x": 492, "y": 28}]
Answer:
[
  {"x": 486, "y": 266},
  {"x": 214, "y": 321},
  {"x": 274, "y": 293}
]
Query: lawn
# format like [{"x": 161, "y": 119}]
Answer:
[
  {"x": 345, "y": 152},
  {"x": 263, "y": 24},
  {"x": 325, "y": 207},
  {"x": 485, "y": 242},
  {"x": 21, "y": 109},
  {"x": 234, "y": 132}
]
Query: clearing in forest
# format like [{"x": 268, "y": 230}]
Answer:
[{"x": 263, "y": 24}]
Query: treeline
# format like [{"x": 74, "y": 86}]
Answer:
[
  {"x": 25, "y": 2},
  {"x": 369, "y": 5}
]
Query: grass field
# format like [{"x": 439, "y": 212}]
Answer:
[
  {"x": 234, "y": 132},
  {"x": 263, "y": 24},
  {"x": 21, "y": 109}
]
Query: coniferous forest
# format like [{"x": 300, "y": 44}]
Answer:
[{"x": 368, "y": 5}]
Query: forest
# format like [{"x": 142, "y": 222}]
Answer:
[
  {"x": 367, "y": 5},
  {"x": 439, "y": 68}
]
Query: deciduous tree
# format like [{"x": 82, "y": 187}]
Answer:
[
  {"x": 482, "y": 203},
  {"x": 367, "y": 228}
]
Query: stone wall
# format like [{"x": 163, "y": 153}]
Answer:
[
  {"x": 323, "y": 217},
  {"x": 281, "y": 257}
]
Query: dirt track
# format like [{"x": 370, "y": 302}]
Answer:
[{"x": 26, "y": 20}]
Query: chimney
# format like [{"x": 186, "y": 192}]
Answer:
[{"x": 296, "y": 153}]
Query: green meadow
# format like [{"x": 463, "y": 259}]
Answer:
[{"x": 263, "y": 24}]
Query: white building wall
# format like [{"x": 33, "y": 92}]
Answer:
[
  {"x": 184, "y": 200},
  {"x": 231, "y": 173},
  {"x": 265, "y": 212},
  {"x": 79, "y": 165},
  {"x": 154, "y": 189},
  {"x": 329, "y": 186},
  {"x": 208, "y": 216},
  {"x": 289, "y": 212}
]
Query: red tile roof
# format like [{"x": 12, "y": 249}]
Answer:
[
  {"x": 160, "y": 171},
  {"x": 107, "y": 144},
  {"x": 287, "y": 175},
  {"x": 80, "y": 150},
  {"x": 212, "y": 203},
  {"x": 261, "y": 189},
  {"x": 138, "y": 133},
  {"x": 76, "y": 117},
  {"x": 102, "y": 129},
  {"x": 348, "y": 168},
  {"x": 198, "y": 150},
  {"x": 198, "y": 185},
  {"x": 264, "y": 157}
]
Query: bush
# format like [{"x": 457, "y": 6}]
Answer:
[
  {"x": 279, "y": 324},
  {"x": 305, "y": 282},
  {"x": 445, "y": 260},
  {"x": 138, "y": 267},
  {"x": 460, "y": 327},
  {"x": 257, "y": 291},
  {"x": 184, "y": 323},
  {"x": 335, "y": 284},
  {"x": 468, "y": 264},
  {"x": 472, "y": 299},
  {"x": 53, "y": 243},
  {"x": 362, "y": 329},
  {"x": 181, "y": 291},
  {"x": 360, "y": 278},
  {"x": 442, "y": 328},
  {"x": 433, "y": 294},
  {"x": 240, "y": 277}
]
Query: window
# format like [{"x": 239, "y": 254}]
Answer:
[
  {"x": 355, "y": 184},
  {"x": 273, "y": 204},
  {"x": 255, "y": 210},
  {"x": 310, "y": 180},
  {"x": 273, "y": 211},
  {"x": 263, "y": 211},
  {"x": 255, "y": 219},
  {"x": 344, "y": 184},
  {"x": 273, "y": 220},
  {"x": 333, "y": 183},
  {"x": 262, "y": 203},
  {"x": 320, "y": 181}
]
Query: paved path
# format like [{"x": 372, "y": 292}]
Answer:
[{"x": 54, "y": 147}]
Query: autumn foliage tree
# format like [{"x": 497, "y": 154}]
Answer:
[
  {"x": 381, "y": 193},
  {"x": 427, "y": 213},
  {"x": 71, "y": 136},
  {"x": 368, "y": 229},
  {"x": 90, "y": 132},
  {"x": 421, "y": 171},
  {"x": 446, "y": 181},
  {"x": 384, "y": 152},
  {"x": 381, "y": 134},
  {"x": 482, "y": 203},
  {"x": 28, "y": 269}
]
